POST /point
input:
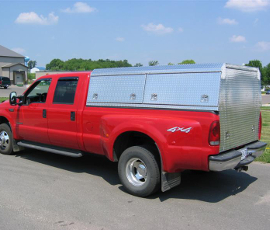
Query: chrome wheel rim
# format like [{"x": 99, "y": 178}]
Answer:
[
  {"x": 4, "y": 140},
  {"x": 136, "y": 172}
]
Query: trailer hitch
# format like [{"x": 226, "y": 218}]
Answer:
[{"x": 244, "y": 167}]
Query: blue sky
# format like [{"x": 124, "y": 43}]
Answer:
[{"x": 229, "y": 31}]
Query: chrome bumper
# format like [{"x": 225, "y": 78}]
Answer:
[{"x": 236, "y": 158}]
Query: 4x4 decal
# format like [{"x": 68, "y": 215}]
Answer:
[{"x": 175, "y": 129}]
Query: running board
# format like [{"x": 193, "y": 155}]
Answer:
[{"x": 52, "y": 149}]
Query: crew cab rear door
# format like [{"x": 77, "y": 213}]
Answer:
[{"x": 62, "y": 113}]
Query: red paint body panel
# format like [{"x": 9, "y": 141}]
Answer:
[
  {"x": 31, "y": 125},
  {"x": 179, "y": 150},
  {"x": 95, "y": 129}
]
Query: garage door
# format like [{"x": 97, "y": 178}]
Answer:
[{"x": 19, "y": 77}]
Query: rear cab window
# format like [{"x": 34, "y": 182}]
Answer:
[{"x": 65, "y": 90}]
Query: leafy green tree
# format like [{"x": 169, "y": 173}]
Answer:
[
  {"x": 258, "y": 64},
  {"x": 255, "y": 63},
  {"x": 266, "y": 75},
  {"x": 32, "y": 64},
  {"x": 138, "y": 65},
  {"x": 55, "y": 64},
  {"x": 188, "y": 61},
  {"x": 170, "y": 63},
  {"x": 80, "y": 64},
  {"x": 153, "y": 63}
]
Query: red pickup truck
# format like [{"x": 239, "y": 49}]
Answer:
[{"x": 154, "y": 121}]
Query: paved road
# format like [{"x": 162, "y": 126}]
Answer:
[
  {"x": 45, "y": 191},
  {"x": 6, "y": 92},
  {"x": 265, "y": 99}
]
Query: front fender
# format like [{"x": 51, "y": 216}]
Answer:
[{"x": 6, "y": 115}]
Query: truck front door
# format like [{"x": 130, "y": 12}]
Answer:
[
  {"x": 62, "y": 114},
  {"x": 31, "y": 121}
]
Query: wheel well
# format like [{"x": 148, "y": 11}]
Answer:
[
  {"x": 132, "y": 138},
  {"x": 4, "y": 120}
]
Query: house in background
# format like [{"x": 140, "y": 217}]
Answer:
[{"x": 12, "y": 66}]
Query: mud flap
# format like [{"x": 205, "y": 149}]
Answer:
[
  {"x": 169, "y": 180},
  {"x": 17, "y": 148}
]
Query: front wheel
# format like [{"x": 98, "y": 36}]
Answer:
[
  {"x": 139, "y": 171},
  {"x": 6, "y": 138}
]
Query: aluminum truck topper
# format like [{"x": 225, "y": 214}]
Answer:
[
  {"x": 192, "y": 87},
  {"x": 231, "y": 90}
]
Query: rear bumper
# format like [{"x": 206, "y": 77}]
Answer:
[{"x": 236, "y": 158}]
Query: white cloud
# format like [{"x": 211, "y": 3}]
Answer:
[
  {"x": 19, "y": 50},
  {"x": 157, "y": 29},
  {"x": 120, "y": 39},
  {"x": 33, "y": 18},
  {"x": 238, "y": 38},
  {"x": 248, "y": 5},
  {"x": 180, "y": 29},
  {"x": 80, "y": 7},
  {"x": 227, "y": 21},
  {"x": 263, "y": 46}
]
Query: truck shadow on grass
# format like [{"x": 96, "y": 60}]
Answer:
[{"x": 211, "y": 187}]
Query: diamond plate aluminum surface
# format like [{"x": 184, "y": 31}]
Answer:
[
  {"x": 239, "y": 106},
  {"x": 185, "y": 89},
  {"x": 120, "y": 89},
  {"x": 158, "y": 69}
]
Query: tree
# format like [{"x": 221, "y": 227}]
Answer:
[
  {"x": 255, "y": 63},
  {"x": 170, "y": 63},
  {"x": 188, "y": 61},
  {"x": 153, "y": 63},
  {"x": 138, "y": 65},
  {"x": 80, "y": 64},
  {"x": 258, "y": 64},
  {"x": 32, "y": 64},
  {"x": 55, "y": 64},
  {"x": 266, "y": 75}
]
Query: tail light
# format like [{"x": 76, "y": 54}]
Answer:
[
  {"x": 214, "y": 133},
  {"x": 0, "y": 82},
  {"x": 260, "y": 127}
]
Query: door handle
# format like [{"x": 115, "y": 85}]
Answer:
[
  {"x": 44, "y": 113},
  {"x": 72, "y": 115}
]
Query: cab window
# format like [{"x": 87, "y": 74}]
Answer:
[
  {"x": 65, "y": 90},
  {"x": 38, "y": 92}
]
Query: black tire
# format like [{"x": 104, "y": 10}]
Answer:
[
  {"x": 148, "y": 169},
  {"x": 5, "y": 87},
  {"x": 6, "y": 139}
]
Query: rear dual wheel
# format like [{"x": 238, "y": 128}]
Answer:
[{"x": 138, "y": 170}]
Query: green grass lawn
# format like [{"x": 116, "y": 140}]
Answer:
[
  {"x": 3, "y": 99},
  {"x": 265, "y": 134},
  {"x": 265, "y": 108}
]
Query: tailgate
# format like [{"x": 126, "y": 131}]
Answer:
[{"x": 239, "y": 106}]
